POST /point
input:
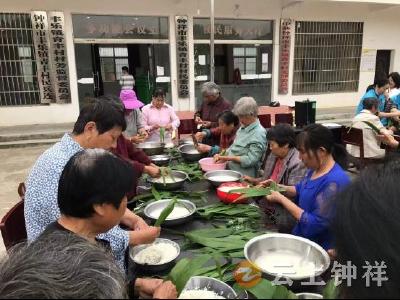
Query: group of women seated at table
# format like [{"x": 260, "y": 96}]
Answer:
[{"x": 310, "y": 169}]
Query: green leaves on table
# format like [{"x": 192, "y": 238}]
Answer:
[
  {"x": 228, "y": 242},
  {"x": 166, "y": 212},
  {"x": 193, "y": 170},
  {"x": 226, "y": 211},
  {"x": 266, "y": 290},
  {"x": 209, "y": 265},
  {"x": 257, "y": 191},
  {"x": 331, "y": 291}
]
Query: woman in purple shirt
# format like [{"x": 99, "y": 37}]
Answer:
[{"x": 314, "y": 206}]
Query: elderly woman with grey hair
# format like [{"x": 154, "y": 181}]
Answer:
[
  {"x": 213, "y": 105},
  {"x": 245, "y": 154},
  {"x": 61, "y": 266}
]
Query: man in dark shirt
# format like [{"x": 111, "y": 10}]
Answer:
[
  {"x": 213, "y": 105},
  {"x": 92, "y": 199}
]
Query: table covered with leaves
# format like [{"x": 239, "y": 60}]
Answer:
[{"x": 212, "y": 243}]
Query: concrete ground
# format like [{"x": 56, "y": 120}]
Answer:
[{"x": 15, "y": 164}]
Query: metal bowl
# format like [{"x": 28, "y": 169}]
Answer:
[
  {"x": 211, "y": 284},
  {"x": 161, "y": 160},
  {"x": 133, "y": 251},
  {"x": 297, "y": 249},
  {"x": 186, "y": 141},
  {"x": 179, "y": 177},
  {"x": 309, "y": 296},
  {"x": 214, "y": 176},
  {"x": 190, "y": 157},
  {"x": 169, "y": 145},
  {"x": 152, "y": 148},
  {"x": 161, "y": 204}
]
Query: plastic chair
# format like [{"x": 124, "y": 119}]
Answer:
[
  {"x": 12, "y": 226},
  {"x": 284, "y": 118},
  {"x": 265, "y": 120},
  {"x": 187, "y": 126}
]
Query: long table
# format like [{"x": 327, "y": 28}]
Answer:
[{"x": 198, "y": 223}]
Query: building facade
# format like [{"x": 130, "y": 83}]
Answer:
[{"x": 55, "y": 55}]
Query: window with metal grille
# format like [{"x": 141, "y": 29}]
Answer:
[
  {"x": 327, "y": 57},
  {"x": 112, "y": 59},
  {"x": 18, "y": 79}
]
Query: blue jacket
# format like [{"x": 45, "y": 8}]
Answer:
[{"x": 372, "y": 94}]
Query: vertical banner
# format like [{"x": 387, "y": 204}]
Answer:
[
  {"x": 182, "y": 54},
  {"x": 42, "y": 49},
  {"x": 59, "y": 57},
  {"x": 284, "y": 56}
]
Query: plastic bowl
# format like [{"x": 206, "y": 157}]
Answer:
[
  {"x": 208, "y": 164},
  {"x": 227, "y": 197}
]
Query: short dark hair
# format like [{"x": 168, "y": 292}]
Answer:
[
  {"x": 282, "y": 134},
  {"x": 370, "y": 103},
  {"x": 93, "y": 176},
  {"x": 229, "y": 118},
  {"x": 396, "y": 78},
  {"x": 125, "y": 68},
  {"x": 159, "y": 92},
  {"x": 379, "y": 82},
  {"x": 366, "y": 226},
  {"x": 60, "y": 265},
  {"x": 106, "y": 111}
]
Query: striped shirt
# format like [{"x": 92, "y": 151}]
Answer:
[{"x": 127, "y": 82}]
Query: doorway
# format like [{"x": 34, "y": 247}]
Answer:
[
  {"x": 99, "y": 67},
  {"x": 383, "y": 60}
]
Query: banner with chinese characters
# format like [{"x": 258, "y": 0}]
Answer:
[
  {"x": 59, "y": 57},
  {"x": 51, "y": 56},
  {"x": 182, "y": 53},
  {"x": 42, "y": 52},
  {"x": 233, "y": 29},
  {"x": 284, "y": 56}
]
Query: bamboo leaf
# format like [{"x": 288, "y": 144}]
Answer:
[
  {"x": 166, "y": 212},
  {"x": 182, "y": 272},
  {"x": 155, "y": 193},
  {"x": 373, "y": 127},
  {"x": 331, "y": 291}
]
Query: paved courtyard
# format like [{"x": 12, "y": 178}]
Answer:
[{"x": 15, "y": 164}]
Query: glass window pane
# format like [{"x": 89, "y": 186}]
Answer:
[
  {"x": 121, "y": 52},
  {"x": 251, "y": 51},
  {"x": 24, "y": 52},
  {"x": 106, "y": 51},
  {"x": 119, "y": 63},
  {"x": 107, "y": 69},
  {"x": 238, "y": 51},
  {"x": 238, "y": 63}
]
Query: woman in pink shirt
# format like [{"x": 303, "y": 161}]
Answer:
[{"x": 158, "y": 114}]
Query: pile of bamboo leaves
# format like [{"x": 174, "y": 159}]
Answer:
[
  {"x": 252, "y": 192},
  {"x": 227, "y": 241},
  {"x": 193, "y": 170},
  {"x": 224, "y": 212},
  {"x": 204, "y": 265}
]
